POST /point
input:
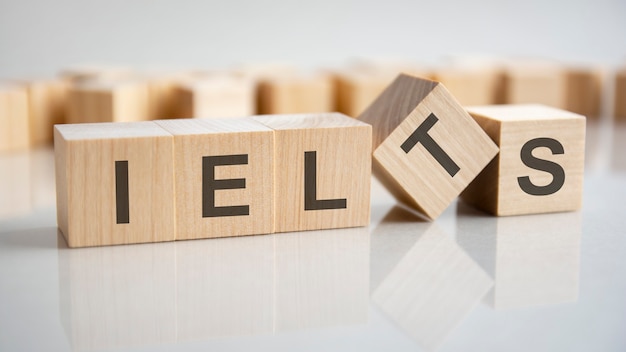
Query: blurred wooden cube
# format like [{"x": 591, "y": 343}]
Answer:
[
  {"x": 427, "y": 149},
  {"x": 216, "y": 95},
  {"x": 96, "y": 72},
  {"x": 14, "y": 120},
  {"x": 534, "y": 83},
  {"x": 584, "y": 91},
  {"x": 47, "y": 101},
  {"x": 470, "y": 86},
  {"x": 109, "y": 101},
  {"x": 115, "y": 183},
  {"x": 224, "y": 177},
  {"x": 620, "y": 95},
  {"x": 292, "y": 94},
  {"x": 322, "y": 171},
  {"x": 541, "y": 162}
]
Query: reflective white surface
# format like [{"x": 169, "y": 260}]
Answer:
[{"x": 466, "y": 282}]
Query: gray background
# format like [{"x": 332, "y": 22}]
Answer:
[{"x": 40, "y": 37}]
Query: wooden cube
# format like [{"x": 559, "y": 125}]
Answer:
[
  {"x": 115, "y": 183},
  {"x": 292, "y": 94},
  {"x": 541, "y": 161},
  {"x": 163, "y": 93},
  {"x": 470, "y": 86},
  {"x": 583, "y": 91},
  {"x": 427, "y": 149},
  {"x": 14, "y": 122},
  {"x": 224, "y": 183},
  {"x": 218, "y": 95},
  {"x": 357, "y": 90},
  {"x": 534, "y": 83},
  {"x": 620, "y": 95},
  {"x": 47, "y": 99},
  {"x": 109, "y": 101},
  {"x": 322, "y": 171},
  {"x": 96, "y": 71}
]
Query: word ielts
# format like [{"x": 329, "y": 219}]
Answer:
[{"x": 202, "y": 178}]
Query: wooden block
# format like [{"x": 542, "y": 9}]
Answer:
[
  {"x": 427, "y": 149},
  {"x": 218, "y": 95},
  {"x": 115, "y": 183},
  {"x": 224, "y": 177},
  {"x": 620, "y": 95},
  {"x": 47, "y": 100},
  {"x": 14, "y": 122},
  {"x": 534, "y": 83},
  {"x": 470, "y": 85},
  {"x": 541, "y": 161},
  {"x": 356, "y": 90},
  {"x": 296, "y": 94},
  {"x": 583, "y": 91},
  {"x": 109, "y": 101},
  {"x": 322, "y": 171},
  {"x": 163, "y": 95}
]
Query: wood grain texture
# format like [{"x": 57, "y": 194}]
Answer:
[
  {"x": 416, "y": 177},
  {"x": 497, "y": 189},
  {"x": 215, "y": 96},
  {"x": 620, "y": 95},
  {"x": 293, "y": 94},
  {"x": 342, "y": 165},
  {"x": 14, "y": 121},
  {"x": 584, "y": 91},
  {"x": 47, "y": 101},
  {"x": 109, "y": 101},
  {"x": 85, "y": 157},
  {"x": 195, "y": 139}
]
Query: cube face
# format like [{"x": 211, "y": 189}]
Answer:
[
  {"x": 541, "y": 163},
  {"x": 209, "y": 153},
  {"x": 543, "y": 84},
  {"x": 217, "y": 97},
  {"x": 584, "y": 91},
  {"x": 109, "y": 102},
  {"x": 322, "y": 171},
  {"x": 46, "y": 101},
  {"x": 114, "y": 186},
  {"x": 620, "y": 96},
  {"x": 434, "y": 153}
]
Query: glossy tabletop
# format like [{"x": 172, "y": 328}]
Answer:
[{"x": 465, "y": 282}]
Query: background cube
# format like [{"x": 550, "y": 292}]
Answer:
[
  {"x": 115, "y": 183},
  {"x": 322, "y": 171},
  {"x": 541, "y": 161},
  {"x": 427, "y": 148},
  {"x": 195, "y": 140},
  {"x": 14, "y": 122}
]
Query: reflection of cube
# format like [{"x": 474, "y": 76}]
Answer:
[
  {"x": 427, "y": 149},
  {"x": 14, "y": 124},
  {"x": 541, "y": 161},
  {"x": 118, "y": 297},
  {"x": 322, "y": 171},
  {"x": 115, "y": 183},
  {"x": 224, "y": 183}
]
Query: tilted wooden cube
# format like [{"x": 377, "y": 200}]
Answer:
[
  {"x": 14, "y": 122},
  {"x": 115, "y": 183},
  {"x": 322, "y": 171},
  {"x": 427, "y": 149},
  {"x": 109, "y": 101},
  {"x": 224, "y": 183},
  {"x": 541, "y": 161}
]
